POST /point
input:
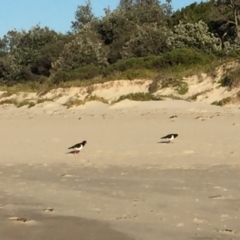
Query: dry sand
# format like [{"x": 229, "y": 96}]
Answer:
[{"x": 125, "y": 184}]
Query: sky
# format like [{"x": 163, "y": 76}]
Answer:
[{"x": 55, "y": 14}]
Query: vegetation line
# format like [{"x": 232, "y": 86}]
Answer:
[{"x": 138, "y": 39}]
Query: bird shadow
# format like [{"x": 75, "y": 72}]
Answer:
[
  {"x": 163, "y": 142},
  {"x": 73, "y": 152}
]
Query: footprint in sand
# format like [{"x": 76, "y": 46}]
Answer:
[
  {"x": 67, "y": 176},
  {"x": 226, "y": 231},
  {"x": 127, "y": 216},
  {"x": 215, "y": 196},
  {"x": 19, "y": 219},
  {"x": 49, "y": 209},
  {"x": 156, "y": 213},
  {"x": 23, "y": 220}
]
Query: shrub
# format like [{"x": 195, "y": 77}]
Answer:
[
  {"x": 148, "y": 39},
  {"x": 85, "y": 49},
  {"x": 231, "y": 79},
  {"x": 139, "y": 97},
  {"x": 156, "y": 83},
  {"x": 184, "y": 56},
  {"x": 182, "y": 88},
  {"x": 81, "y": 73},
  {"x": 223, "y": 102},
  {"x": 164, "y": 82},
  {"x": 226, "y": 81},
  {"x": 194, "y": 35}
]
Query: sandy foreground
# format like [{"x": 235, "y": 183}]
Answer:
[{"x": 125, "y": 184}]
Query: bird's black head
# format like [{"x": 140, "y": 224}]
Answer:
[
  {"x": 175, "y": 135},
  {"x": 84, "y": 142}
]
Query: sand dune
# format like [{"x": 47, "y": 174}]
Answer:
[{"x": 204, "y": 88}]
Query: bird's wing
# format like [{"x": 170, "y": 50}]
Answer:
[
  {"x": 167, "y": 136},
  {"x": 75, "y": 146}
]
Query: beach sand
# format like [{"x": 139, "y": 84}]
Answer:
[{"x": 125, "y": 184}]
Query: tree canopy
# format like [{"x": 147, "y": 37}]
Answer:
[{"x": 135, "y": 29}]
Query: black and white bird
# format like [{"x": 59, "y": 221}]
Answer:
[
  {"x": 169, "y": 138},
  {"x": 78, "y": 147}
]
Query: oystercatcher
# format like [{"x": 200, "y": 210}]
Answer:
[
  {"x": 78, "y": 147},
  {"x": 169, "y": 138}
]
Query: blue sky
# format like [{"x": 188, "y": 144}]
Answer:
[{"x": 55, "y": 14}]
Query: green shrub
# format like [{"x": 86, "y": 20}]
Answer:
[
  {"x": 193, "y": 35},
  {"x": 148, "y": 39},
  {"x": 84, "y": 49},
  {"x": 185, "y": 57},
  {"x": 231, "y": 79},
  {"x": 132, "y": 63},
  {"x": 139, "y": 97},
  {"x": 226, "y": 81},
  {"x": 86, "y": 72},
  {"x": 164, "y": 82},
  {"x": 222, "y": 102},
  {"x": 73, "y": 102},
  {"x": 125, "y": 64},
  {"x": 31, "y": 104},
  {"x": 182, "y": 88},
  {"x": 95, "y": 98},
  {"x": 81, "y": 73},
  {"x": 135, "y": 67}
]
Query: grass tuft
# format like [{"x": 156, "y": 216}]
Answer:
[
  {"x": 139, "y": 97},
  {"x": 223, "y": 102}
]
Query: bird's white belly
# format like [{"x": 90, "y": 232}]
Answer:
[{"x": 78, "y": 149}]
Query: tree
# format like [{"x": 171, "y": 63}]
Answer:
[
  {"x": 3, "y": 47},
  {"x": 234, "y": 5},
  {"x": 194, "y": 13},
  {"x": 11, "y": 40},
  {"x": 193, "y": 35},
  {"x": 228, "y": 29},
  {"x": 23, "y": 54},
  {"x": 83, "y": 15},
  {"x": 118, "y": 26},
  {"x": 48, "y": 54},
  {"x": 10, "y": 70},
  {"x": 31, "y": 43},
  {"x": 85, "y": 49},
  {"x": 148, "y": 39},
  {"x": 126, "y": 3},
  {"x": 146, "y": 11}
]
